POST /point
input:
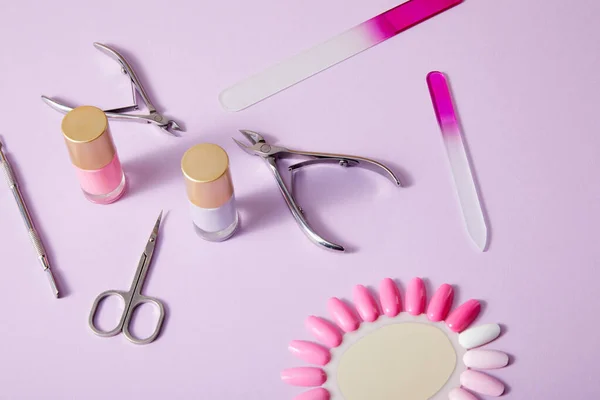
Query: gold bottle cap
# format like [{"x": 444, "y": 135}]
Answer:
[
  {"x": 88, "y": 138},
  {"x": 208, "y": 182}
]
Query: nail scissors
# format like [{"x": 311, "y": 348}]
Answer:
[
  {"x": 133, "y": 298},
  {"x": 270, "y": 154},
  {"x": 153, "y": 117}
]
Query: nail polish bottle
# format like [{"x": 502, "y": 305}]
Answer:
[
  {"x": 93, "y": 154},
  {"x": 210, "y": 191}
]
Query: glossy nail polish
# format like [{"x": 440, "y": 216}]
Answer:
[
  {"x": 440, "y": 303},
  {"x": 343, "y": 316},
  {"x": 365, "y": 304},
  {"x": 310, "y": 352},
  {"x": 324, "y": 331},
  {"x": 463, "y": 316},
  {"x": 485, "y": 359},
  {"x": 304, "y": 376},
  {"x": 389, "y": 295},
  {"x": 415, "y": 297},
  {"x": 210, "y": 191},
  {"x": 460, "y": 394},
  {"x": 93, "y": 154},
  {"x": 314, "y": 394},
  {"x": 481, "y": 383}
]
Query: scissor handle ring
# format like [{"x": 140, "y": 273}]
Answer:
[
  {"x": 119, "y": 328},
  {"x": 137, "y": 301}
]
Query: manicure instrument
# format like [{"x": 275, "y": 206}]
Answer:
[
  {"x": 153, "y": 116},
  {"x": 457, "y": 154},
  {"x": 133, "y": 298},
  {"x": 270, "y": 154},
  {"x": 325, "y": 55},
  {"x": 32, "y": 232}
]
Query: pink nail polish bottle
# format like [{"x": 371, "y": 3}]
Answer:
[{"x": 93, "y": 154}]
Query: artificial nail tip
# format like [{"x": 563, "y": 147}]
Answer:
[{"x": 479, "y": 335}]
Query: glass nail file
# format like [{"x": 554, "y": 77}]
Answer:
[
  {"x": 459, "y": 162},
  {"x": 310, "y": 62}
]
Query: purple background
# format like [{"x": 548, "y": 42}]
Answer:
[{"x": 525, "y": 76}]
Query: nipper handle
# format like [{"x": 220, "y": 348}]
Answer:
[
  {"x": 345, "y": 161},
  {"x": 295, "y": 209}
]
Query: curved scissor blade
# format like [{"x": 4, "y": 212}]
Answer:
[
  {"x": 157, "y": 224},
  {"x": 149, "y": 251}
]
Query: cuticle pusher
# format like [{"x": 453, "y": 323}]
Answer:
[{"x": 31, "y": 230}]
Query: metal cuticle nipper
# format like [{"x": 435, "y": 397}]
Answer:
[
  {"x": 153, "y": 117},
  {"x": 270, "y": 154}
]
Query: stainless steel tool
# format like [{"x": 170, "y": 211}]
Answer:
[
  {"x": 270, "y": 153},
  {"x": 31, "y": 231},
  {"x": 133, "y": 297},
  {"x": 153, "y": 116}
]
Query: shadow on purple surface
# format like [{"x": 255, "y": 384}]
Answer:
[
  {"x": 406, "y": 179},
  {"x": 479, "y": 318},
  {"x": 261, "y": 209},
  {"x": 503, "y": 329},
  {"x": 151, "y": 170}
]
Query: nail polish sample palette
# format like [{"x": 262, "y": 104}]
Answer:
[{"x": 373, "y": 350}]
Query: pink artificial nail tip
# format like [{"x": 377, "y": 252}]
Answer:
[
  {"x": 415, "y": 297},
  {"x": 324, "y": 331},
  {"x": 440, "y": 303},
  {"x": 485, "y": 359},
  {"x": 481, "y": 383},
  {"x": 460, "y": 394},
  {"x": 304, "y": 376},
  {"x": 310, "y": 352},
  {"x": 463, "y": 316},
  {"x": 343, "y": 315},
  {"x": 365, "y": 304},
  {"x": 315, "y": 394},
  {"x": 389, "y": 295}
]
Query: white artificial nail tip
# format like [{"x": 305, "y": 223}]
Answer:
[
  {"x": 479, "y": 335},
  {"x": 485, "y": 359}
]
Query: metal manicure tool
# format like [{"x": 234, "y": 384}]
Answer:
[
  {"x": 271, "y": 154},
  {"x": 153, "y": 117},
  {"x": 33, "y": 234},
  {"x": 133, "y": 298}
]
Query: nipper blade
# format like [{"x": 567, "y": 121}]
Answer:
[
  {"x": 244, "y": 147},
  {"x": 252, "y": 136}
]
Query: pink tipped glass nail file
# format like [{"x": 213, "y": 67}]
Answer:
[
  {"x": 459, "y": 163},
  {"x": 331, "y": 52}
]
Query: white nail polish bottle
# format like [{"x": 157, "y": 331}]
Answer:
[{"x": 210, "y": 191}]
